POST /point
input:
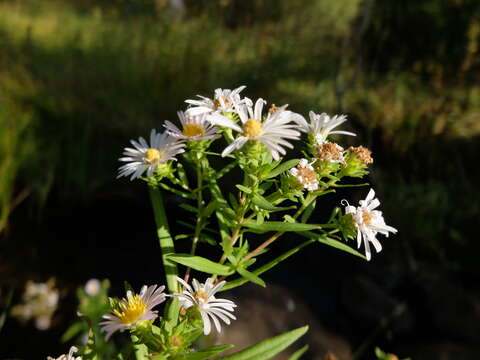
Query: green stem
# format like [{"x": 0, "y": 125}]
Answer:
[
  {"x": 166, "y": 247},
  {"x": 200, "y": 222}
]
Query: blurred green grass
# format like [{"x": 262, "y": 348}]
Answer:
[{"x": 78, "y": 79}]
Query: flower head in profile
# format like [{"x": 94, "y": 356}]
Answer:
[
  {"x": 369, "y": 222},
  {"x": 305, "y": 175},
  {"x": 321, "y": 126},
  {"x": 224, "y": 100},
  {"x": 194, "y": 127},
  {"x": 271, "y": 132},
  {"x": 133, "y": 308},
  {"x": 68, "y": 356},
  {"x": 144, "y": 157},
  {"x": 202, "y": 296}
]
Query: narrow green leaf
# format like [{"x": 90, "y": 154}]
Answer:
[
  {"x": 208, "y": 352},
  {"x": 308, "y": 212},
  {"x": 219, "y": 174},
  {"x": 201, "y": 264},
  {"x": 280, "y": 226},
  {"x": 268, "y": 348},
  {"x": 332, "y": 242},
  {"x": 287, "y": 165},
  {"x": 263, "y": 203},
  {"x": 189, "y": 207},
  {"x": 296, "y": 355},
  {"x": 209, "y": 209},
  {"x": 237, "y": 282},
  {"x": 251, "y": 277},
  {"x": 244, "y": 189}
]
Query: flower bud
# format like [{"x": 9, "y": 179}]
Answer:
[{"x": 357, "y": 159}]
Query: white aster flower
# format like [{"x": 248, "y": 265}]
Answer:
[
  {"x": 202, "y": 296},
  {"x": 224, "y": 100},
  {"x": 194, "y": 127},
  {"x": 68, "y": 356},
  {"x": 270, "y": 132},
  {"x": 369, "y": 222},
  {"x": 321, "y": 125},
  {"x": 146, "y": 157},
  {"x": 134, "y": 308},
  {"x": 306, "y": 175}
]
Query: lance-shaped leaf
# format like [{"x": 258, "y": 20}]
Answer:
[
  {"x": 244, "y": 189},
  {"x": 263, "y": 203},
  {"x": 287, "y": 165},
  {"x": 268, "y": 348},
  {"x": 201, "y": 264},
  {"x": 280, "y": 226},
  {"x": 251, "y": 277},
  {"x": 208, "y": 352},
  {"x": 296, "y": 355},
  {"x": 324, "y": 239},
  {"x": 237, "y": 282}
]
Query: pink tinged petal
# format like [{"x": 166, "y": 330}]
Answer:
[
  {"x": 216, "y": 288},
  {"x": 373, "y": 204},
  {"x": 185, "y": 285},
  {"x": 368, "y": 253}
]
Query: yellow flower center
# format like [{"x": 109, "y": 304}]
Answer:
[
  {"x": 130, "y": 309},
  {"x": 192, "y": 130},
  {"x": 252, "y": 128},
  {"x": 201, "y": 295},
  {"x": 153, "y": 156},
  {"x": 367, "y": 218}
]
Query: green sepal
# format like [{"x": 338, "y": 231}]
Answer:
[
  {"x": 201, "y": 264},
  {"x": 268, "y": 348}
]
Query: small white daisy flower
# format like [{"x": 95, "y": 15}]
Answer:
[
  {"x": 270, "y": 132},
  {"x": 203, "y": 297},
  {"x": 146, "y": 157},
  {"x": 194, "y": 127},
  {"x": 224, "y": 100},
  {"x": 68, "y": 356},
  {"x": 369, "y": 222},
  {"x": 321, "y": 125},
  {"x": 306, "y": 175},
  {"x": 133, "y": 308}
]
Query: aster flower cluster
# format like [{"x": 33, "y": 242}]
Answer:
[{"x": 276, "y": 194}]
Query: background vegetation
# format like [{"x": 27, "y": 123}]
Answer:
[{"x": 78, "y": 79}]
